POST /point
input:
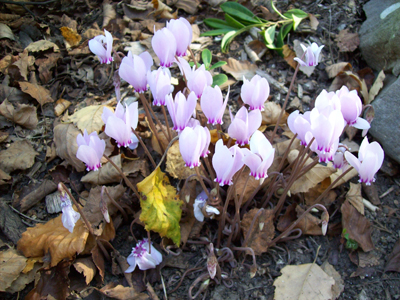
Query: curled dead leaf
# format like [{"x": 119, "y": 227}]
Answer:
[
  {"x": 61, "y": 106},
  {"x": 23, "y": 114},
  {"x": 19, "y": 156},
  {"x": 175, "y": 165},
  {"x": 106, "y": 174},
  {"x": 86, "y": 267},
  {"x": 42, "y": 45},
  {"x": 89, "y": 118},
  {"x": 240, "y": 69},
  {"x": 347, "y": 41},
  {"x": 39, "y": 93},
  {"x": 71, "y": 37},
  {"x": 355, "y": 198}
]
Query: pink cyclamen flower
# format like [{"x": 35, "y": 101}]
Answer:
[
  {"x": 351, "y": 107},
  {"x": 300, "y": 124},
  {"x": 199, "y": 80},
  {"x": 102, "y": 46},
  {"x": 339, "y": 161},
  {"x": 213, "y": 105},
  {"x": 141, "y": 257},
  {"x": 312, "y": 55},
  {"x": 69, "y": 215},
  {"x": 182, "y": 31},
  {"x": 119, "y": 125},
  {"x": 90, "y": 150},
  {"x": 260, "y": 156},
  {"x": 198, "y": 206},
  {"x": 160, "y": 84},
  {"x": 134, "y": 69},
  {"x": 226, "y": 162},
  {"x": 164, "y": 45},
  {"x": 181, "y": 109},
  {"x": 255, "y": 92},
  {"x": 244, "y": 124},
  {"x": 193, "y": 143},
  {"x": 370, "y": 159}
]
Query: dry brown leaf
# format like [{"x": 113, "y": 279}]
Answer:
[
  {"x": 37, "y": 92},
  {"x": 309, "y": 224},
  {"x": 393, "y": 262},
  {"x": 106, "y": 174},
  {"x": 251, "y": 185},
  {"x": 369, "y": 259},
  {"x": 335, "y": 69},
  {"x": 338, "y": 287},
  {"x": 190, "y": 6},
  {"x": 313, "y": 21},
  {"x": 108, "y": 13},
  {"x": 24, "y": 115},
  {"x": 240, "y": 69},
  {"x": 352, "y": 81},
  {"x": 71, "y": 37},
  {"x": 52, "y": 237},
  {"x": 136, "y": 166},
  {"x": 42, "y": 45},
  {"x": 45, "y": 65},
  {"x": 303, "y": 282},
  {"x": 344, "y": 179},
  {"x": 187, "y": 194},
  {"x": 123, "y": 293},
  {"x": 4, "y": 177},
  {"x": 314, "y": 176},
  {"x": 19, "y": 156},
  {"x": 346, "y": 41},
  {"x": 357, "y": 226},
  {"x": 7, "y": 61},
  {"x": 175, "y": 165},
  {"x": 89, "y": 118},
  {"x": 66, "y": 145},
  {"x": 355, "y": 198},
  {"x": 316, "y": 191},
  {"x": 24, "y": 278},
  {"x": 11, "y": 266},
  {"x": 86, "y": 267},
  {"x": 23, "y": 63},
  {"x": 377, "y": 86},
  {"x": 263, "y": 230},
  {"x": 289, "y": 55},
  {"x": 271, "y": 114},
  {"x": 6, "y": 32},
  {"x": 91, "y": 33},
  {"x": 61, "y": 106}
]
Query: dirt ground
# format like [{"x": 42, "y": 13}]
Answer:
[{"x": 367, "y": 282}]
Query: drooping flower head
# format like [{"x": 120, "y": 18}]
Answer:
[
  {"x": 90, "y": 150},
  {"x": 226, "y": 162},
  {"x": 255, "y": 92},
  {"x": 370, "y": 159},
  {"x": 182, "y": 31},
  {"x": 102, "y": 46},
  {"x": 193, "y": 143},
  {"x": 160, "y": 84},
  {"x": 164, "y": 45},
  {"x": 312, "y": 55},
  {"x": 244, "y": 124},
  {"x": 134, "y": 69},
  {"x": 141, "y": 257},
  {"x": 181, "y": 109},
  {"x": 213, "y": 105},
  {"x": 351, "y": 107},
  {"x": 119, "y": 124},
  {"x": 198, "y": 205},
  {"x": 69, "y": 215}
]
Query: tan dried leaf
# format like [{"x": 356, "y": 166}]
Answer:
[
  {"x": 86, "y": 267},
  {"x": 42, "y": 45},
  {"x": 19, "y": 156},
  {"x": 271, "y": 114},
  {"x": 55, "y": 239},
  {"x": 45, "y": 65},
  {"x": 190, "y": 6},
  {"x": 310, "y": 224},
  {"x": 238, "y": 69},
  {"x": 61, "y": 106},
  {"x": 71, "y": 37},
  {"x": 377, "y": 86},
  {"x": 335, "y": 69},
  {"x": 313, "y": 21},
  {"x": 24, "y": 115},
  {"x": 123, "y": 293},
  {"x": 347, "y": 41},
  {"x": 251, "y": 185},
  {"x": 106, "y": 174},
  {"x": 11, "y": 266},
  {"x": 89, "y": 118},
  {"x": 289, "y": 55},
  {"x": 108, "y": 13},
  {"x": 6, "y": 32},
  {"x": 338, "y": 287},
  {"x": 344, "y": 179},
  {"x": 24, "y": 278},
  {"x": 7, "y": 61},
  {"x": 37, "y": 92},
  {"x": 303, "y": 282},
  {"x": 355, "y": 198},
  {"x": 4, "y": 177},
  {"x": 24, "y": 62}
]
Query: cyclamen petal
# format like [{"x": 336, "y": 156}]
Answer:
[
  {"x": 226, "y": 162},
  {"x": 182, "y": 31},
  {"x": 164, "y": 45},
  {"x": 193, "y": 143},
  {"x": 141, "y": 257},
  {"x": 244, "y": 124},
  {"x": 181, "y": 109},
  {"x": 311, "y": 55},
  {"x": 255, "y": 92},
  {"x": 134, "y": 70},
  {"x": 102, "y": 46},
  {"x": 160, "y": 85},
  {"x": 90, "y": 150},
  {"x": 199, "y": 80},
  {"x": 213, "y": 105}
]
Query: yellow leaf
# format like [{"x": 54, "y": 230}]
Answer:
[{"x": 161, "y": 207}]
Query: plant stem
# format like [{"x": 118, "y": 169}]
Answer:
[
  {"x": 202, "y": 183},
  {"x": 166, "y": 122},
  {"x": 125, "y": 216},
  {"x": 145, "y": 148}
]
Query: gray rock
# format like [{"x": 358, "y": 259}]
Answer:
[
  {"x": 380, "y": 35},
  {"x": 386, "y": 125}
]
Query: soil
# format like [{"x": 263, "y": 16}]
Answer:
[{"x": 370, "y": 282}]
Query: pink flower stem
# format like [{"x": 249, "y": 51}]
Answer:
[
  {"x": 209, "y": 168},
  {"x": 123, "y": 212},
  {"x": 202, "y": 183},
  {"x": 145, "y": 148},
  {"x": 155, "y": 118},
  {"x": 166, "y": 122},
  {"x": 192, "y": 55}
]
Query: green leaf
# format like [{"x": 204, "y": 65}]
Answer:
[
  {"x": 219, "y": 79},
  {"x": 226, "y": 40},
  {"x": 217, "y": 23},
  {"x": 217, "y": 32},
  {"x": 206, "y": 57},
  {"x": 281, "y": 36},
  {"x": 217, "y": 65},
  {"x": 277, "y": 11},
  {"x": 239, "y": 11},
  {"x": 269, "y": 35},
  {"x": 232, "y": 22},
  {"x": 296, "y": 22},
  {"x": 296, "y": 12}
]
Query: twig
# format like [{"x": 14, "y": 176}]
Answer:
[{"x": 25, "y": 216}]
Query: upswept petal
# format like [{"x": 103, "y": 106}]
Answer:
[
  {"x": 89, "y": 156},
  {"x": 109, "y": 42},
  {"x": 133, "y": 114},
  {"x": 117, "y": 129},
  {"x": 164, "y": 45},
  {"x": 361, "y": 124},
  {"x": 254, "y": 121},
  {"x": 190, "y": 147},
  {"x": 182, "y": 31},
  {"x": 98, "y": 145}
]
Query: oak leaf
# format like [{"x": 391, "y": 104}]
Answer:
[{"x": 42, "y": 45}]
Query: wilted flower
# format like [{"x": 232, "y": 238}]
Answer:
[
  {"x": 90, "y": 150},
  {"x": 255, "y": 92},
  {"x": 370, "y": 159},
  {"x": 119, "y": 125},
  {"x": 69, "y": 215},
  {"x": 134, "y": 69},
  {"x": 164, "y": 45},
  {"x": 102, "y": 46},
  {"x": 312, "y": 55},
  {"x": 181, "y": 109},
  {"x": 160, "y": 84},
  {"x": 244, "y": 124},
  {"x": 226, "y": 162},
  {"x": 198, "y": 206},
  {"x": 260, "y": 156},
  {"x": 213, "y": 105},
  {"x": 193, "y": 143},
  {"x": 182, "y": 31},
  {"x": 351, "y": 107},
  {"x": 141, "y": 257}
]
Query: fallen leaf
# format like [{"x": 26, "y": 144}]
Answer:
[
  {"x": 368, "y": 259},
  {"x": 312, "y": 195},
  {"x": 98, "y": 260},
  {"x": 23, "y": 63},
  {"x": 251, "y": 185},
  {"x": 313, "y": 21},
  {"x": 271, "y": 114},
  {"x": 289, "y": 55},
  {"x": 11, "y": 266},
  {"x": 393, "y": 262},
  {"x": 160, "y": 205},
  {"x": 355, "y": 198},
  {"x": 7, "y": 61},
  {"x": 23, "y": 114},
  {"x": 61, "y": 106},
  {"x": 45, "y": 65},
  {"x": 4, "y": 177},
  {"x": 352, "y": 81},
  {"x": 52, "y": 237},
  {"x": 108, "y": 14},
  {"x": 310, "y": 224},
  {"x": 175, "y": 165},
  {"x": 33, "y": 193},
  {"x": 19, "y": 156},
  {"x": 314, "y": 176},
  {"x": 66, "y": 145},
  {"x": 89, "y": 118},
  {"x": 335, "y": 69},
  {"x": 24, "y": 278},
  {"x": 6, "y": 32},
  {"x": 346, "y": 41},
  {"x": 338, "y": 287},
  {"x": 344, "y": 179},
  {"x": 357, "y": 226},
  {"x": 123, "y": 292},
  {"x": 190, "y": 6},
  {"x": 42, "y": 45},
  {"x": 303, "y": 282},
  {"x": 187, "y": 195},
  {"x": 37, "y": 92},
  {"x": 263, "y": 231},
  {"x": 240, "y": 69},
  {"x": 377, "y": 86},
  {"x": 106, "y": 174},
  {"x": 71, "y": 37},
  {"x": 86, "y": 267},
  {"x": 162, "y": 138}
]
